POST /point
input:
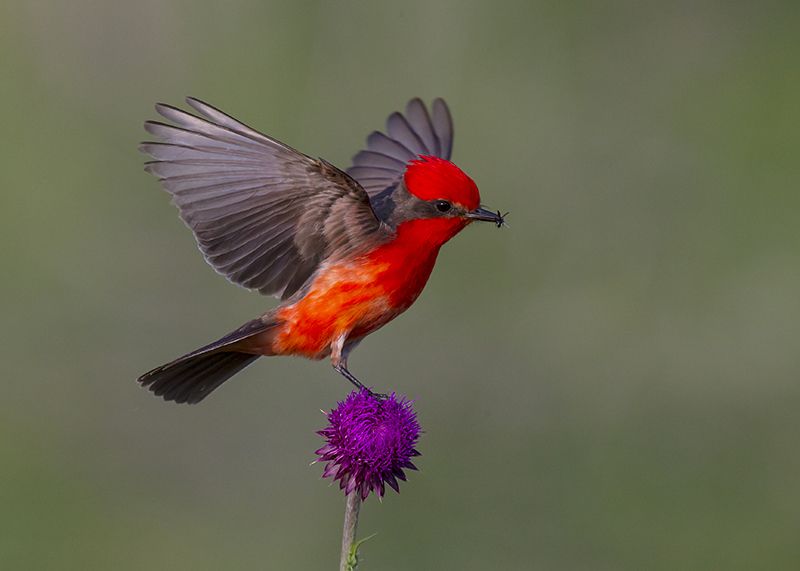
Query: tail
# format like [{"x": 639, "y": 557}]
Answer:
[{"x": 191, "y": 378}]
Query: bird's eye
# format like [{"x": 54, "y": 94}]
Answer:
[{"x": 442, "y": 205}]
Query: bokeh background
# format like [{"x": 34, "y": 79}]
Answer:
[{"x": 611, "y": 383}]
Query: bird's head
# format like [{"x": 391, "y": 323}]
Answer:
[{"x": 437, "y": 200}]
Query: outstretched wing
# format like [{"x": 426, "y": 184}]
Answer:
[
  {"x": 263, "y": 214},
  {"x": 408, "y": 136}
]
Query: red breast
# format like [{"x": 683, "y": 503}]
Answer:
[{"x": 357, "y": 297}]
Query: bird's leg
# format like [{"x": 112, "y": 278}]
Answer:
[
  {"x": 339, "y": 353},
  {"x": 342, "y": 370}
]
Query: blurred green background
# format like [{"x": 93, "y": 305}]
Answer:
[{"x": 611, "y": 383}]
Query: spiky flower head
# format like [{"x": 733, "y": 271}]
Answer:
[{"x": 369, "y": 442}]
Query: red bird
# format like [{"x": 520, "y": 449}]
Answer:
[{"x": 346, "y": 252}]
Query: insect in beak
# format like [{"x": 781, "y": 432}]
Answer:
[{"x": 488, "y": 216}]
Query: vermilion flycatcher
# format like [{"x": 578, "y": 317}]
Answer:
[{"x": 346, "y": 252}]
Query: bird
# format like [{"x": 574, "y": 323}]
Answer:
[{"x": 345, "y": 251}]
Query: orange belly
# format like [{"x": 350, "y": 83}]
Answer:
[{"x": 352, "y": 299}]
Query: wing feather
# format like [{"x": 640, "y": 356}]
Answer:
[
  {"x": 418, "y": 116},
  {"x": 263, "y": 214},
  {"x": 442, "y": 123},
  {"x": 378, "y": 159}
]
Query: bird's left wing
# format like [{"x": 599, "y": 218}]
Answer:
[{"x": 264, "y": 215}]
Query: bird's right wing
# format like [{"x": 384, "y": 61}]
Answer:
[
  {"x": 408, "y": 136},
  {"x": 263, "y": 214}
]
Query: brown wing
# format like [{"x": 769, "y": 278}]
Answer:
[
  {"x": 408, "y": 136},
  {"x": 263, "y": 214}
]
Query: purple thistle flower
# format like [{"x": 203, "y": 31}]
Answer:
[{"x": 369, "y": 442}]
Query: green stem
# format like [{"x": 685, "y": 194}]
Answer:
[{"x": 348, "y": 560}]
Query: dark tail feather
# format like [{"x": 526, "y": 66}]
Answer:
[
  {"x": 191, "y": 379},
  {"x": 194, "y": 376}
]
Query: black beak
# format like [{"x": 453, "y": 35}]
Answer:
[{"x": 488, "y": 216}]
